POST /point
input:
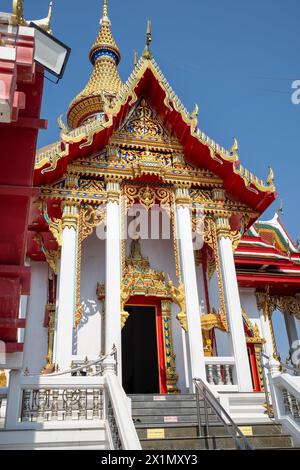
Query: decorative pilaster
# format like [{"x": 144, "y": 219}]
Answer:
[
  {"x": 113, "y": 271},
  {"x": 266, "y": 306},
  {"x": 188, "y": 269},
  {"x": 233, "y": 305},
  {"x": 67, "y": 287},
  {"x": 172, "y": 376},
  {"x": 291, "y": 328}
]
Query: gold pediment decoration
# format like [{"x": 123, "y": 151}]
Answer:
[
  {"x": 144, "y": 125},
  {"x": 140, "y": 279},
  {"x": 213, "y": 320}
]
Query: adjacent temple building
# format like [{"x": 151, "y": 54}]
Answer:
[{"x": 114, "y": 313}]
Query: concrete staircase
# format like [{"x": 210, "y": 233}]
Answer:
[{"x": 169, "y": 422}]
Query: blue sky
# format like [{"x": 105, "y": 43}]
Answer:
[{"x": 236, "y": 59}]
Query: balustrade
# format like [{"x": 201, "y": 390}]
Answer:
[
  {"x": 291, "y": 405},
  {"x": 220, "y": 371},
  {"x": 62, "y": 404}
]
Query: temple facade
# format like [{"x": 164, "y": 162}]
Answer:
[{"x": 146, "y": 245}]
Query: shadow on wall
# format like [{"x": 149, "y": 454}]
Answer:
[{"x": 90, "y": 309}]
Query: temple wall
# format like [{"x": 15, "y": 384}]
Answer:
[
  {"x": 201, "y": 290},
  {"x": 223, "y": 340},
  {"x": 248, "y": 302},
  {"x": 87, "y": 340},
  {"x": 36, "y": 335}
]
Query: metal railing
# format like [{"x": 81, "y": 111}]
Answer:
[
  {"x": 210, "y": 401},
  {"x": 87, "y": 368}
]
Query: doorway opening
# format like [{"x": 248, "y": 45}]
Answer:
[{"x": 140, "y": 364}]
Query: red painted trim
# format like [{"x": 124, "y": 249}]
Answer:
[
  {"x": 13, "y": 347},
  {"x": 155, "y": 302},
  {"x": 12, "y": 323},
  {"x": 253, "y": 366}
]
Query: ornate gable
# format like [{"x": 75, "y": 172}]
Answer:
[{"x": 143, "y": 128}]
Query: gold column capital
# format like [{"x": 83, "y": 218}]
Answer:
[
  {"x": 182, "y": 196},
  {"x": 113, "y": 190},
  {"x": 223, "y": 227},
  {"x": 218, "y": 195},
  {"x": 70, "y": 215}
]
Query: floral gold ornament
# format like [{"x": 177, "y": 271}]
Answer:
[
  {"x": 55, "y": 226},
  {"x": 211, "y": 239},
  {"x": 140, "y": 279},
  {"x": 50, "y": 367},
  {"x": 172, "y": 376},
  {"x": 89, "y": 218},
  {"x": 3, "y": 380}
]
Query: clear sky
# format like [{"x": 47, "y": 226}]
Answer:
[{"x": 236, "y": 59}]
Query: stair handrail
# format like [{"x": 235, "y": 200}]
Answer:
[
  {"x": 283, "y": 367},
  {"x": 86, "y": 365},
  {"x": 240, "y": 440}
]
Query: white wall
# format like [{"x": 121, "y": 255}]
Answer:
[
  {"x": 36, "y": 335},
  {"x": 223, "y": 339},
  {"x": 249, "y": 304},
  {"x": 87, "y": 338}
]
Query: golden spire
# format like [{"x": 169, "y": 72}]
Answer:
[
  {"x": 105, "y": 82},
  {"x": 147, "y": 54}
]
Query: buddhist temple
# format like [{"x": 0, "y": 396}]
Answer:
[{"x": 154, "y": 278}]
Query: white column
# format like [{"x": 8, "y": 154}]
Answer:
[
  {"x": 233, "y": 306},
  {"x": 67, "y": 289},
  {"x": 291, "y": 328},
  {"x": 187, "y": 258},
  {"x": 266, "y": 308},
  {"x": 267, "y": 335},
  {"x": 113, "y": 272},
  {"x": 36, "y": 335}
]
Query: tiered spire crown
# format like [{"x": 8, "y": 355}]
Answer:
[
  {"x": 105, "y": 42},
  {"x": 105, "y": 82}
]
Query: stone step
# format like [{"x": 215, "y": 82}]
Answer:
[
  {"x": 156, "y": 397},
  {"x": 215, "y": 430},
  {"x": 168, "y": 411},
  {"x": 166, "y": 404},
  {"x": 165, "y": 420},
  {"x": 215, "y": 443}
]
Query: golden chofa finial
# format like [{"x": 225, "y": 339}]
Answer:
[
  {"x": 18, "y": 12},
  {"x": 147, "y": 53},
  {"x": 45, "y": 23},
  {"x": 18, "y": 16}
]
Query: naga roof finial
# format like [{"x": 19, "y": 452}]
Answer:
[
  {"x": 235, "y": 147},
  {"x": 271, "y": 177},
  {"x": 147, "y": 53},
  {"x": 18, "y": 16},
  {"x": 136, "y": 58}
]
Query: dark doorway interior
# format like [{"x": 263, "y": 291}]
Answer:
[{"x": 139, "y": 351}]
